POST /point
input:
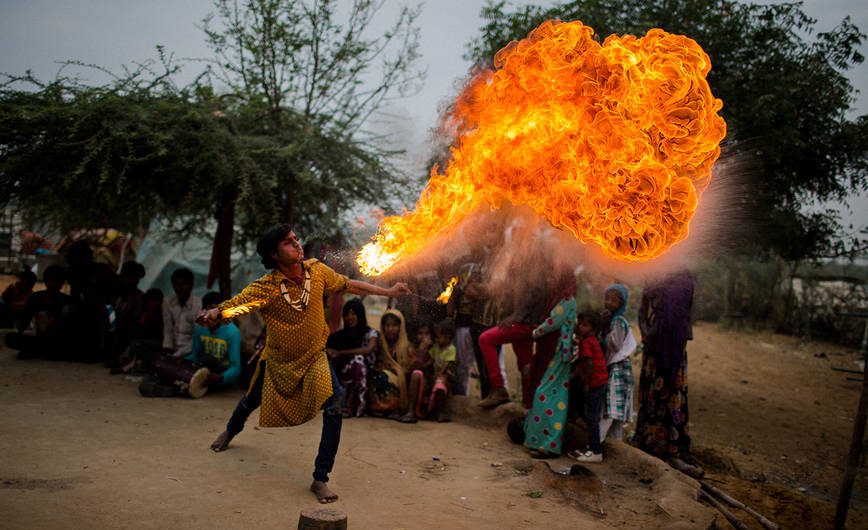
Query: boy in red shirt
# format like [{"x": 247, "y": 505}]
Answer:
[{"x": 590, "y": 368}]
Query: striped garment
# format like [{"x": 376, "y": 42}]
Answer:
[{"x": 619, "y": 391}]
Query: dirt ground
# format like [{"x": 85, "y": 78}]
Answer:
[{"x": 771, "y": 423}]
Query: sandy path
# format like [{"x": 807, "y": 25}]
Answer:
[{"x": 81, "y": 449}]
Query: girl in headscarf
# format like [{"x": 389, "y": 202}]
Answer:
[
  {"x": 664, "y": 320},
  {"x": 388, "y": 382},
  {"x": 618, "y": 345},
  {"x": 353, "y": 351}
]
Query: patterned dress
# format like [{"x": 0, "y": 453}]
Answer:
[
  {"x": 662, "y": 428},
  {"x": 547, "y": 417},
  {"x": 297, "y": 377}
]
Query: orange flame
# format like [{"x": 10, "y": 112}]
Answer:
[
  {"x": 612, "y": 142},
  {"x": 444, "y": 297}
]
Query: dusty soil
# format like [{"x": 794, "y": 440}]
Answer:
[{"x": 771, "y": 423}]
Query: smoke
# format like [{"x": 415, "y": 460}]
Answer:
[{"x": 527, "y": 257}]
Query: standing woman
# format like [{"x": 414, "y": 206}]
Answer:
[
  {"x": 664, "y": 320},
  {"x": 547, "y": 418},
  {"x": 352, "y": 350}
]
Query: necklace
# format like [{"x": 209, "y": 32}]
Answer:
[{"x": 301, "y": 303}]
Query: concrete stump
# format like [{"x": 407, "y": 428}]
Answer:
[{"x": 322, "y": 519}]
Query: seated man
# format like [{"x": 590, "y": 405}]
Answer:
[
  {"x": 13, "y": 304},
  {"x": 179, "y": 313},
  {"x": 129, "y": 302},
  {"x": 217, "y": 347},
  {"x": 50, "y": 310}
]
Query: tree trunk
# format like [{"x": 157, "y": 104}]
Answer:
[{"x": 221, "y": 251}]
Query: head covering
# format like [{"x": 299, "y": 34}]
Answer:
[
  {"x": 675, "y": 301},
  {"x": 348, "y": 338},
  {"x": 621, "y": 289},
  {"x": 396, "y": 358},
  {"x": 397, "y": 351}
]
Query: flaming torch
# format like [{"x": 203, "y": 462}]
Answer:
[
  {"x": 242, "y": 309},
  {"x": 444, "y": 297},
  {"x": 612, "y": 142}
]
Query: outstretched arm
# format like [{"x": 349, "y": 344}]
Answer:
[{"x": 362, "y": 288}]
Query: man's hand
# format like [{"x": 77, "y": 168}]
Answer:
[
  {"x": 208, "y": 317},
  {"x": 400, "y": 289},
  {"x": 214, "y": 379}
]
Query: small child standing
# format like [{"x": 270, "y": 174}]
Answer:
[
  {"x": 438, "y": 373},
  {"x": 590, "y": 368},
  {"x": 619, "y": 345}
]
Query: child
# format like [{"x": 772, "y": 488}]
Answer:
[
  {"x": 388, "y": 380},
  {"x": 13, "y": 306},
  {"x": 217, "y": 347},
  {"x": 353, "y": 350},
  {"x": 590, "y": 368},
  {"x": 418, "y": 351},
  {"x": 438, "y": 370},
  {"x": 49, "y": 310},
  {"x": 618, "y": 344}
]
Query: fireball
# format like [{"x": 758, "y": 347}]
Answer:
[{"x": 612, "y": 142}]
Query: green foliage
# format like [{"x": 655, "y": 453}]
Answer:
[
  {"x": 785, "y": 100},
  {"x": 276, "y": 129},
  {"x": 302, "y": 82},
  {"x": 74, "y": 156}
]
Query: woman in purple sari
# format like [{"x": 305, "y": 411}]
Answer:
[{"x": 664, "y": 320}]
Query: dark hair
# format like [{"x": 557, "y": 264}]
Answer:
[
  {"x": 357, "y": 307},
  {"x": 212, "y": 298},
  {"x": 182, "y": 274},
  {"x": 445, "y": 327},
  {"x": 268, "y": 243},
  {"x": 154, "y": 294},
  {"x": 54, "y": 272},
  {"x": 79, "y": 252},
  {"x": 515, "y": 430},
  {"x": 590, "y": 318},
  {"x": 418, "y": 327},
  {"x": 27, "y": 277},
  {"x": 133, "y": 269}
]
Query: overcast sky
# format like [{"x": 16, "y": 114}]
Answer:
[{"x": 36, "y": 34}]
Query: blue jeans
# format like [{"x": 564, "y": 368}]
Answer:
[
  {"x": 593, "y": 410},
  {"x": 331, "y": 421}
]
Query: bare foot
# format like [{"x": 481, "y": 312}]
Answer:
[
  {"x": 222, "y": 442},
  {"x": 323, "y": 494}
]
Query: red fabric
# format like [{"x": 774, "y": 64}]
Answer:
[
  {"x": 521, "y": 337},
  {"x": 589, "y": 347}
]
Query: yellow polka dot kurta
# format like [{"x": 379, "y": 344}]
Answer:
[{"x": 297, "y": 380}]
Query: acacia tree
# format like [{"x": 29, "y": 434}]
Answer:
[
  {"x": 303, "y": 79},
  {"x": 785, "y": 98},
  {"x": 120, "y": 154},
  {"x": 285, "y": 137}
]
